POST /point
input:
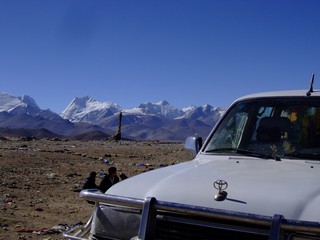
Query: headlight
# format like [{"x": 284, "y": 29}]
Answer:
[
  {"x": 297, "y": 236},
  {"x": 116, "y": 222}
]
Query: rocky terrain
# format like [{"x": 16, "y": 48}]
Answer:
[{"x": 41, "y": 179}]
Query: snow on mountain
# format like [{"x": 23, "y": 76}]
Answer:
[
  {"x": 149, "y": 121},
  {"x": 160, "y": 108},
  {"x": 87, "y": 109},
  {"x": 22, "y": 113},
  {"x": 188, "y": 109},
  {"x": 9, "y": 103},
  {"x": 24, "y": 105},
  {"x": 133, "y": 111},
  {"x": 206, "y": 114},
  {"x": 29, "y": 101}
]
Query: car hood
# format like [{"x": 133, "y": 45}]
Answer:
[{"x": 266, "y": 187}]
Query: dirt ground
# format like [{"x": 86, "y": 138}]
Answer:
[{"x": 40, "y": 179}]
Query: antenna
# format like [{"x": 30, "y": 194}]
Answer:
[{"x": 311, "y": 85}]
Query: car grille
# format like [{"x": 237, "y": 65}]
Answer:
[{"x": 170, "y": 228}]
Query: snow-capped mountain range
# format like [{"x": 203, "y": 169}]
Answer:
[
  {"x": 149, "y": 121},
  {"x": 86, "y": 109}
]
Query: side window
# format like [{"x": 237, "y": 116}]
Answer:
[{"x": 229, "y": 135}]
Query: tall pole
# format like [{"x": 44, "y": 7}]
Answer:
[{"x": 117, "y": 136}]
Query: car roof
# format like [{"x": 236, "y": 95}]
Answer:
[{"x": 288, "y": 93}]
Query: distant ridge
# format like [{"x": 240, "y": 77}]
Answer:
[
  {"x": 22, "y": 132},
  {"x": 91, "y": 136}
]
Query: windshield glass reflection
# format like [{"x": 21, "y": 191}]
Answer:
[{"x": 276, "y": 127}]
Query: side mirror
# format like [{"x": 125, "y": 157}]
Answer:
[{"x": 194, "y": 144}]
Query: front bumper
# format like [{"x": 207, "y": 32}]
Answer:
[{"x": 116, "y": 217}]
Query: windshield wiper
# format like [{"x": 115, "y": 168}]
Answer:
[
  {"x": 246, "y": 152},
  {"x": 312, "y": 156}
]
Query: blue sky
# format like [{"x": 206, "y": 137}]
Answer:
[{"x": 188, "y": 52}]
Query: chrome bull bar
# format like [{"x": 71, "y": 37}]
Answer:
[{"x": 151, "y": 208}]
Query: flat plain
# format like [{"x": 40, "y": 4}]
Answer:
[{"x": 41, "y": 179}]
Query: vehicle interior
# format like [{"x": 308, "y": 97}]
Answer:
[{"x": 279, "y": 127}]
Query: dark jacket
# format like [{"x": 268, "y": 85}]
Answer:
[
  {"x": 106, "y": 183},
  {"x": 90, "y": 183}
]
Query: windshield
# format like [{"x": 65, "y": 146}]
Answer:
[{"x": 279, "y": 127}]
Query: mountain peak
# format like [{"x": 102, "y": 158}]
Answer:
[
  {"x": 160, "y": 108},
  {"x": 87, "y": 109},
  {"x": 81, "y": 101},
  {"x": 8, "y": 102},
  {"x": 162, "y": 103},
  {"x": 12, "y": 104},
  {"x": 28, "y": 100}
]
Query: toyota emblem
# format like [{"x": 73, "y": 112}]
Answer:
[{"x": 220, "y": 185}]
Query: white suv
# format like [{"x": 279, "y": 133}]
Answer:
[{"x": 255, "y": 177}]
